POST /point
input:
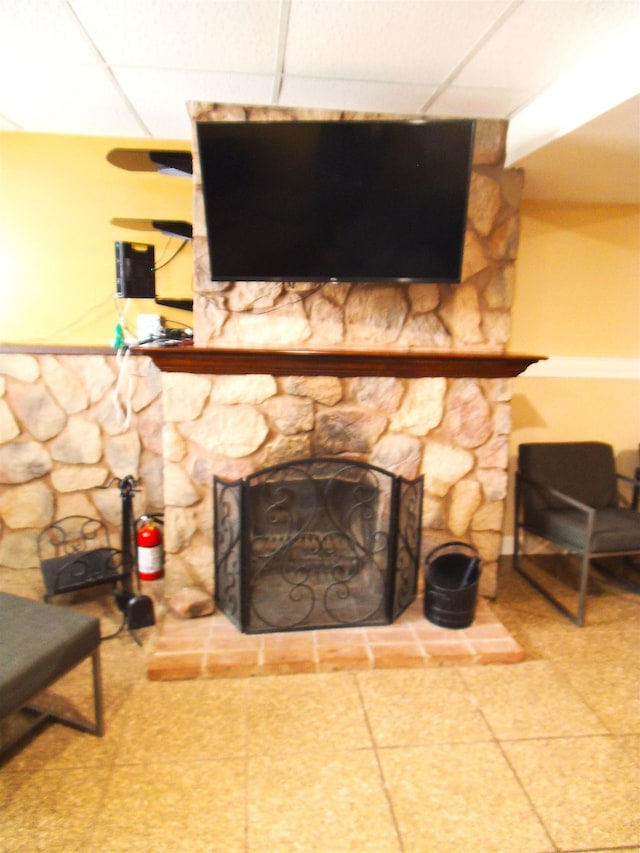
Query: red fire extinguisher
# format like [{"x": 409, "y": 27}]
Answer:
[{"x": 150, "y": 556}]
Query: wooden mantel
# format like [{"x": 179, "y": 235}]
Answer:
[{"x": 405, "y": 364}]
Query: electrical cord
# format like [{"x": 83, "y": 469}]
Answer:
[
  {"x": 60, "y": 332},
  {"x": 175, "y": 255},
  {"x": 124, "y": 411},
  {"x": 116, "y": 633},
  {"x": 259, "y": 313},
  {"x": 165, "y": 249}
]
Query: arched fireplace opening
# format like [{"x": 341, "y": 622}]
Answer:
[{"x": 316, "y": 543}]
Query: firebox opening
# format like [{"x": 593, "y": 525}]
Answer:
[{"x": 316, "y": 543}]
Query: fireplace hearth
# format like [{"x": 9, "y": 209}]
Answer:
[{"x": 316, "y": 543}]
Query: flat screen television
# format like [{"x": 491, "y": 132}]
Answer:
[{"x": 336, "y": 200}]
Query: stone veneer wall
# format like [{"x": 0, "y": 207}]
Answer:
[
  {"x": 62, "y": 437},
  {"x": 455, "y": 432}
]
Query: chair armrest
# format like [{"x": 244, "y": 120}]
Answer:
[
  {"x": 556, "y": 493},
  {"x": 635, "y": 482}
]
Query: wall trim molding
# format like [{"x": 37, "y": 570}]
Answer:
[{"x": 573, "y": 367}]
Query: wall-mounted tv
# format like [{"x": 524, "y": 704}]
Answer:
[{"x": 336, "y": 200}]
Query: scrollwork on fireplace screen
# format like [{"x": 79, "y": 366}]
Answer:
[
  {"x": 227, "y": 500},
  {"x": 316, "y": 543}
]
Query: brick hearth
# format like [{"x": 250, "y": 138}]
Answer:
[{"x": 211, "y": 647}]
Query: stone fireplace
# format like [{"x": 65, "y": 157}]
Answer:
[{"x": 411, "y": 378}]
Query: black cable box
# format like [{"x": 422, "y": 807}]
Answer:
[{"x": 135, "y": 271}]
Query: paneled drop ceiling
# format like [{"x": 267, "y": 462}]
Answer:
[{"x": 565, "y": 73}]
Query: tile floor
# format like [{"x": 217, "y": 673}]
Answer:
[{"x": 542, "y": 755}]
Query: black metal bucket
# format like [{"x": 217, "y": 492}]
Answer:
[{"x": 451, "y": 585}]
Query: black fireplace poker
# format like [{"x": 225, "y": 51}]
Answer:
[
  {"x": 127, "y": 488},
  {"x": 137, "y": 608}
]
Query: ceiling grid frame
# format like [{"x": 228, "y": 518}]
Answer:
[{"x": 134, "y": 67}]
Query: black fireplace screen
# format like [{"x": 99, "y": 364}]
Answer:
[{"x": 316, "y": 543}]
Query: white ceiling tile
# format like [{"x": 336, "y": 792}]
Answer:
[
  {"x": 609, "y": 77},
  {"x": 498, "y": 58},
  {"x": 543, "y": 40},
  {"x": 386, "y": 40},
  {"x": 477, "y": 102},
  {"x": 58, "y": 99},
  {"x": 42, "y": 31},
  {"x": 160, "y": 96},
  {"x": 353, "y": 95},
  {"x": 220, "y": 35}
]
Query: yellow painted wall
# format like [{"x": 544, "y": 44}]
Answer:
[
  {"x": 578, "y": 295},
  {"x": 57, "y": 257},
  {"x": 578, "y": 281}
]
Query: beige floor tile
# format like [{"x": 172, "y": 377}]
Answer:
[
  {"x": 322, "y": 801},
  {"x": 625, "y": 849},
  {"x": 49, "y": 810},
  {"x": 519, "y": 606},
  {"x": 530, "y": 700},
  {"x": 631, "y": 745},
  {"x": 612, "y": 643},
  {"x": 184, "y": 721},
  {"x": 610, "y": 691},
  {"x": 166, "y": 808},
  {"x": 460, "y": 798},
  {"x": 584, "y": 789},
  {"x": 297, "y": 712},
  {"x": 408, "y": 707}
]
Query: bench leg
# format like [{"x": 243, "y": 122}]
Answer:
[
  {"x": 97, "y": 726},
  {"x": 37, "y": 716},
  {"x": 32, "y": 720},
  {"x": 98, "y": 703}
]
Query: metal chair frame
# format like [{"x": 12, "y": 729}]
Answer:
[{"x": 587, "y": 554}]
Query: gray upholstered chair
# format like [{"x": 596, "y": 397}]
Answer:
[{"x": 567, "y": 493}]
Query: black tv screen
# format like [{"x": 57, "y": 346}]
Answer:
[{"x": 336, "y": 200}]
